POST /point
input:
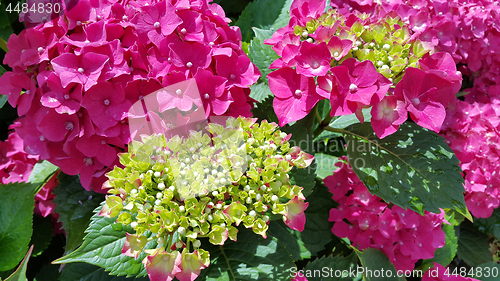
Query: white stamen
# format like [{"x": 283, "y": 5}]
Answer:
[{"x": 353, "y": 88}]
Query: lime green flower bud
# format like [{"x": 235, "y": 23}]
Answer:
[
  {"x": 236, "y": 212},
  {"x": 218, "y": 235},
  {"x": 112, "y": 208}
]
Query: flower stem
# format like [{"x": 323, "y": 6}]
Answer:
[
  {"x": 169, "y": 241},
  {"x": 335, "y": 130},
  {"x": 318, "y": 117}
]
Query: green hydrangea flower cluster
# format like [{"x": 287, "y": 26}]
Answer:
[
  {"x": 495, "y": 250},
  {"x": 387, "y": 42},
  {"x": 205, "y": 184}
]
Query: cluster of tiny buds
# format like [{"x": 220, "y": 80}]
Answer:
[
  {"x": 196, "y": 186},
  {"x": 367, "y": 44}
]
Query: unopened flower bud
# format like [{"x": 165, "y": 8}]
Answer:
[{"x": 181, "y": 230}]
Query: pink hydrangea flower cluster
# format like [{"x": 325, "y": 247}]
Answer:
[
  {"x": 16, "y": 166},
  {"x": 75, "y": 78},
  {"x": 472, "y": 130},
  {"x": 359, "y": 63},
  {"x": 470, "y": 32},
  {"x": 467, "y": 29},
  {"x": 369, "y": 222}
]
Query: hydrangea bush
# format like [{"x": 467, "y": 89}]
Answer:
[{"x": 264, "y": 140}]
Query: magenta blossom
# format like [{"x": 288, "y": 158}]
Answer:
[
  {"x": 26, "y": 49},
  {"x": 355, "y": 85},
  {"x": 57, "y": 127},
  {"x": 238, "y": 70},
  {"x": 107, "y": 100},
  {"x": 387, "y": 115},
  {"x": 295, "y": 94},
  {"x": 63, "y": 100},
  {"x": 84, "y": 69},
  {"x": 304, "y": 10},
  {"x": 162, "y": 266},
  {"x": 189, "y": 56},
  {"x": 422, "y": 93},
  {"x": 339, "y": 48},
  {"x": 156, "y": 22},
  {"x": 313, "y": 59},
  {"x": 294, "y": 216},
  {"x": 211, "y": 89}
]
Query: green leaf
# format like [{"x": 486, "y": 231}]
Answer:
[
  {"x": 318, "y": 230},
  {"x": 20, "y": 273},
  {"x": 260, "y": 14},
  {"x": 74, "y": 205},
  {"x": 304, "y": 178},
  {"x": 48, "y": 272},
  {"x": 42, "y": 172},
  {"x": 5, "y": 27},
  {"x": 3, "y": 100},
  {"x": 489, "y": 271},
  {"x": 490, "y": 225},
  {"x": 5, "y": 33},
  {"x": 265, "y": 111},
  {"x": 250, "y": 258},
  {"x": 89, "y": 272},
  {"x": 260, "y": 92},
  {"x": 325, "y": 164},
  {"x": 444, "y": 255},
  {"x": 375, "y": 260},
  {"x": 2, "y": 70},
  {"x": 302, "y": 133},
  {"x": 284, "y": 16},
  {"x": 17, "y": 201},
  {"x": 332, "y": 264},
  {"x": 260, "y": 54},
  {"x": 3, "y": 46},
  {"x": 42, "y": 234},
  {"x": 343, "y": 121},
  {"x": 473, "y": 245},
  {"x": 413, "y": 167},
  {"x": 102, "y": 247},
  {"x": 290, "y": 239}
]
